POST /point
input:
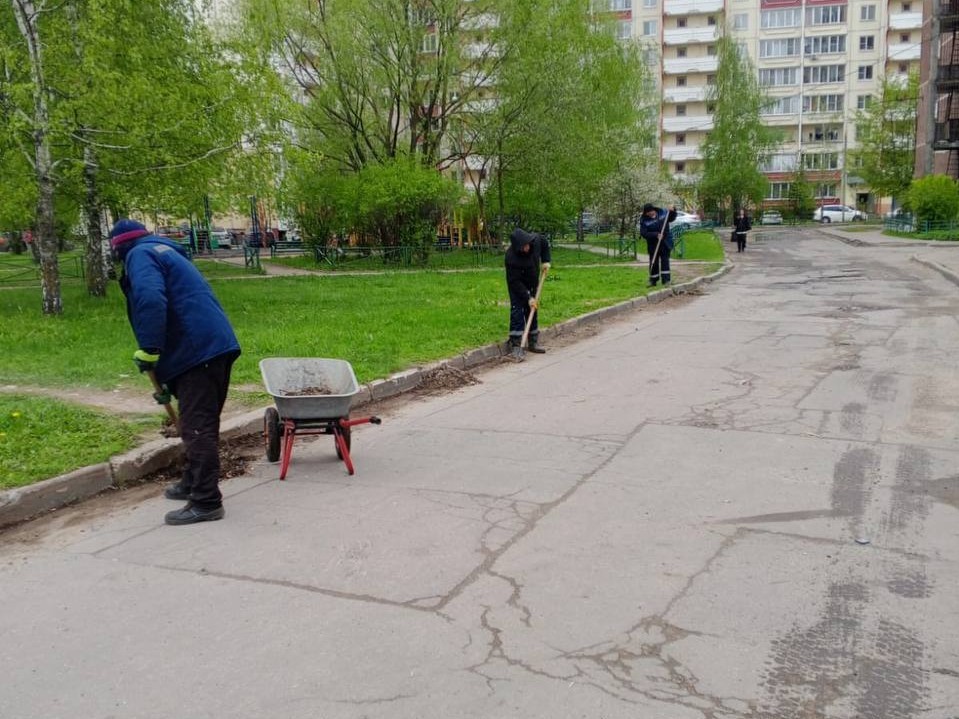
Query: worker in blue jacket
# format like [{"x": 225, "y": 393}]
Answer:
[
  {"x": 184, "y": 336},
  {"x": 654, "y": 227}
]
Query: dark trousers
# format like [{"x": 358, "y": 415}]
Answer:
[
  {"x": 741, "y": 241},
  {"x": 658, "y": 261},
  {"x": 201, "y": 393},
  {"x": 519, "y": 310}
]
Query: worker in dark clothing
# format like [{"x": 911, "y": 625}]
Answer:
[
  {"x": 741, "y": 225},
  {"x": 185, "y": 338},
  {"x": 527, "y": 256},
  {"x": 654, "y": 227}
]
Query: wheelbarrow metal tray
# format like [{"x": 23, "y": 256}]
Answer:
[{"x": 287, "y": 377}]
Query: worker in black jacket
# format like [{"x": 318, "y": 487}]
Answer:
[
  {"x": 654, "y": 228},
  {"x": 527, "y": 256}
]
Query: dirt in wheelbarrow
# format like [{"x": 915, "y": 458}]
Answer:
[{"x": 320, "y": 389}]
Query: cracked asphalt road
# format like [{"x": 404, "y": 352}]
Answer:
[{"x": 743, "y": 504}]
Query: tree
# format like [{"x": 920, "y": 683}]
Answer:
[
  {"x": 739, "y": 142},
  {"x": 934, "y": 198},
  {"x": 130, "y": 108},
  {"x": 886, "y": 132},
  {"x": 801, "y": 195}
]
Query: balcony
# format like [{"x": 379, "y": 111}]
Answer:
[
  {"x": 948, "y": 15},
  {"x": 685, "y": 94},
  {"x": 688, "y": 123},
  {"x": 947, "y": 75},
  {"x": 477, "y": 50},
  {"x": 692, "y": 7},
  {"x": 905, "y": 21},
  {"x": 482, "y": 21},
  {"x": 690, "y": 35},
  {"x": 682, "y": 153},
  {"x": 903, "y": 51},
  {"x": 686, "y": 65}
]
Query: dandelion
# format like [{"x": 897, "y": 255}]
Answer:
[{"x": 15, "y": 414}]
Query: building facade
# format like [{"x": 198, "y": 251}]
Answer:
[{"x": 821, "y": 61}]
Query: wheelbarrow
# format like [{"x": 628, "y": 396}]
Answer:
[{"x": 312, "y": 396}]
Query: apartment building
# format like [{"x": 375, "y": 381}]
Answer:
[
  {"x": 937, "y": 133},
  {"x": 820, "y": 60}
]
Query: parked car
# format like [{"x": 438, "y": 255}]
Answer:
[
  {"x": 177, "y": 234},
  {"x": 837, "y": 213},
  {"x": 771, "y": 217},
  {"x": 687, "y": 219},
  {"x": 222, "y": 237}
]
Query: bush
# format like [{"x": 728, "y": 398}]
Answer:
[{"x": 934, "y": 198}]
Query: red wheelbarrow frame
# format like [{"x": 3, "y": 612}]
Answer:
[{"x": 339, "y": 427}]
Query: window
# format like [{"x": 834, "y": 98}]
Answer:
[
  {"x": 772, "y": 19},
  {"x": 681, "y": 22},
  {"x": 774, "y": 77},
  {"x": 710, "y": 20},
  {"x": 825, "y": 189},
  {"x": 825, "y": 45},
  {"x": 741, "y": 21},
  {"x": 624, "y": 29},
  {"x": 649, "y": 27},
  {"x": 779, "y": 163},
  {"x": 865, "y": 72},
  {"x": 783, "y": 106},
  {"x": 680, "y": 52},
  {"x": 710, "y": 79},
  {"x": 680, "y": 110},
  {"x": 907, "y": 7},
  {"x": 904, "y": 37},
  {"x": 680, "y": 138},
  {"x": 680, "y": 81},
  {"x": 863, "y": 101},
  {"x": 680, "y": 167},
  {"x": 620, "y": 4},
  {"x": 783, "y": 47},
  {"x": 903, "y": 68},
  {"x": 710, "y": 108},
  {"x": 430, "y": 43},
  {"x": 824, "y": 73},
  {"x": 867, "y": 12},
  {"x": 821, "y": 161},
  {"x": 822, "y": 103},
  {"x": 867, "y": 42},
  {"x": 711, "y": 51},
  {"x": 777, "y": 191},
  {"x": 825, "y": 15},
  {"x": 649, "y": 3},
  {"x": 825, "y": 133}
]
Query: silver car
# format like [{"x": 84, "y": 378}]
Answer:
[{"x": 837, "y": 213}]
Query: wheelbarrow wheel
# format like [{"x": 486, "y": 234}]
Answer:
[
  {"x": 271, "y": 434},
  {"x": 346, "y": 438}
]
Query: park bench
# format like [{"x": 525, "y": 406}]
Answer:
[
  {"x": 443, "y": 244},
  {"x": 286, "y": 247}
]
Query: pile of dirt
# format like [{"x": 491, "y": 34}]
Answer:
[
  {"x": 320, "y": 389},
  {"x": 445, "y": 379},
  {"x": 235, "y": 456}
]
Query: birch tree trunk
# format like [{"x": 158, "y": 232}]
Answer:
[
  {"x": 27, "y": 15},
  {"x": 96, "y": 266}
]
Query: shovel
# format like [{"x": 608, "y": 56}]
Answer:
[
  {"x": 163, "y": 397},
  {"x": 519, "y": 352}
]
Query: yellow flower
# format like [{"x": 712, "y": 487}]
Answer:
[{"x": 15, "y": 414}]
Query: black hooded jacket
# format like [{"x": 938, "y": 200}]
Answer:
[{"x": 522, "y": 268}]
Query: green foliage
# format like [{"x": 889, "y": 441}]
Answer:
[
  {"x": 83, "y": 437},
  {"x": 886, "y": 132},
  {"x": 801, "y": 197},
  {"x": 933, "y": 198},
  {"x": 739, "y": 142}
]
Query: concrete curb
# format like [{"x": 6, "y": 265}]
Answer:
[
  {"x": 941, "y": 269},
  {"x": 23, "y": 503}
]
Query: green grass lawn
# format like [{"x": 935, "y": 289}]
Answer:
[
  {"x": 42, "y": 438},
  {"x": 381, "y": 323}
]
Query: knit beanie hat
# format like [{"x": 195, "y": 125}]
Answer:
[{"x": 126, "y": 230}]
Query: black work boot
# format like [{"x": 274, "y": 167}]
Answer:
[
  {"x": 534, "y": 346},
  {"x": 177, "y": 491},
  {"x": 192, "y": 513}
]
